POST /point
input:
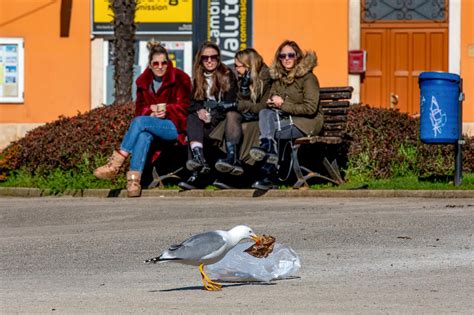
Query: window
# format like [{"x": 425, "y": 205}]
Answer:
[
  {"x": 404, "y": 10},
  {"x": 11, "y": 70}
]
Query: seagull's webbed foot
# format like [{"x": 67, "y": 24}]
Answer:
[{"x": 209, "y": 285}]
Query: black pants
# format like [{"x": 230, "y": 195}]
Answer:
[{"x": 198, "y": 130}]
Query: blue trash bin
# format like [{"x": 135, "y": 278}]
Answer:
[{"x": 440, "y": 120}]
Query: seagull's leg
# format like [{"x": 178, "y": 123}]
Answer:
[{"x": 209, "y": 285}]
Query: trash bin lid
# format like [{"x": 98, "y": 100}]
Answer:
[{"x": 439, "y": 76}]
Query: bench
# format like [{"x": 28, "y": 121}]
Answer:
[
  {"x": 335, "y": 105},
  {"x": 335, "y": 102}
]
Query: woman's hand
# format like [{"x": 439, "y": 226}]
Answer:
[
  {"x": 275, "y": 101},
  {"x": 202, "y": 114},
  {"x": 159, "y": 114}
]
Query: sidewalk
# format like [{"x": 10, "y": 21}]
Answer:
[{"x": 246, "y": 193}]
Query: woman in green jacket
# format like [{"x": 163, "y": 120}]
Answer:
[
  {"x": 293, "y": 109},
  {"x": 235, "y": 137}
]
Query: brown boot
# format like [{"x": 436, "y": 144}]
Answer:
[
  {"x": 133, "y": 184},
  {"x": 111, "y": 169}
]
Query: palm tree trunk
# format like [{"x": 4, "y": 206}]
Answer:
[{"x": 124, "y": 48}]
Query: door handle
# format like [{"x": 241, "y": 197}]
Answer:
[{"x": 393, "y": 100}]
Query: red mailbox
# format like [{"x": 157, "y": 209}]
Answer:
[{"x": 357, "y": 60}]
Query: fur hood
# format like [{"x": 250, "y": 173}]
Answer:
[{"x": 307, "y": 64}]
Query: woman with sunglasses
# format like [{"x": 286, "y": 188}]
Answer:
[
  {"x": 214, "y": 84},
  {"x": 161, "y": 110},
  {"x": 293, "y": 107},
  {"x": 254, "y": 89}
]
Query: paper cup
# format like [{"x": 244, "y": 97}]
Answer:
[
  {"x": 161, "y": 107},
  {"x": 208, "y": 118}
]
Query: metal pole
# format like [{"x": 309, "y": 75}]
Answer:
[{"x": 459, "y": 143}]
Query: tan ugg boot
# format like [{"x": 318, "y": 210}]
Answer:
[
  {"x": 133, "y": 184},
  {"x": 111, "y": 169}
]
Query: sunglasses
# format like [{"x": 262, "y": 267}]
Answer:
[
  {"x": 238, "y": 66},
  {"x": 205, "y": 58},
  {"x": 289, "y": 55},
  {"x": 156, "y": 64}
]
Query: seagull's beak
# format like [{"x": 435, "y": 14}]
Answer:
[{"x": 256, "y": 238}]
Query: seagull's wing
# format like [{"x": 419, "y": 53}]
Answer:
[{"x": 198, "y": 246}]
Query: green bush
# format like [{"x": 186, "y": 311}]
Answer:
[
  {"x": 381, "y": 144},
  {"x": 63, "y": 144},
  {"x": 385, "y": 143}
]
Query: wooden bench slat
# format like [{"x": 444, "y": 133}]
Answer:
[
  {"x": 334, "y": 126},
  {"x": 330, "y": 118},
  {"x": 319, "y": 139},
  {"x": 335, "y": 95},
  {"x": 334, "y": 111},
  {"x": 334, "y": 133},
  {"x": 331, "y": 89},
  {"x": 335, "y": 103}
]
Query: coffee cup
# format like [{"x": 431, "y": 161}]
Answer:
[
  {"x": 208, "y": 117},
  {"x": 161, "y": 107}
]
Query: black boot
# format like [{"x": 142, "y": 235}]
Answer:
[
  {"x": 198, "y": 163},
  {"x": 267, "y": 149},
  {"x": 193, "y": 182},
  {"x": 266, "y": 183},
  {"x": 231, "y": 164}
]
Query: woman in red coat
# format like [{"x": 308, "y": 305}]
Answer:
[{"x": 163, "y": 98}]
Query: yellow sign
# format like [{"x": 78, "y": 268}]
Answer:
[{"x": 149, "y": 11}]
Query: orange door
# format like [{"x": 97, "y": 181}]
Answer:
[{"x": 395, "y": 58}]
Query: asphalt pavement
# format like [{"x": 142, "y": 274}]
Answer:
[{"x": 358, "y": 255}]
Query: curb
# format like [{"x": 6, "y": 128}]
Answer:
[{"x": 242, "y": 193}]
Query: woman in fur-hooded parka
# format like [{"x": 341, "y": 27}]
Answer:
[
  {"x": 293, "y": 107},
  {"x": 299, "y": 89}
]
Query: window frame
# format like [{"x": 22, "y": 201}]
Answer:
[{"x": 20, "y": 43}]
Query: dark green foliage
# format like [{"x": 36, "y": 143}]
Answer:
[
  {"x": 385, "y": 143},
  {"x": 381, "y": 144},
  {"x": 63, "y": 144}
]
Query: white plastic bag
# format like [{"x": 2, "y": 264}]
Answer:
[{"x": 239, "y": 266}]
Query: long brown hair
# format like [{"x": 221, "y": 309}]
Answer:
[
  {"x": 276, "y": 60},
  {"x": 155, "y": 47},
  {"x": 252, "y": 60},
  {"x": 220, "y": 76}
]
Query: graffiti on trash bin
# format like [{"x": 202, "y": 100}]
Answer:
[{"x": 437, "y": 117}]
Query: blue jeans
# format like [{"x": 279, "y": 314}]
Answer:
[{"x": 140, "y": 135}]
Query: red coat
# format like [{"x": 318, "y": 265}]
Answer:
[{"x": 175, "y": 91}]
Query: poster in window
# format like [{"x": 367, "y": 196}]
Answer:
[{"x": 9, "y": 70}]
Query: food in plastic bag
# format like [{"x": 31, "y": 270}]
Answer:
[
  {"x": 263, "y": 247},
  {"x": 238, "y": 266}
]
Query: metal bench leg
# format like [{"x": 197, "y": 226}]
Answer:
[
  {"x": 158, "y": 180},
  {"x": 333, "y": 170},
  {"x": 301, "y": 181}
]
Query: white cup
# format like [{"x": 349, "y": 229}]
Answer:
[
  {"x": 161, "y": 107},
  {"x": 208, "y": 117}
]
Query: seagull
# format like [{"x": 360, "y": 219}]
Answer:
[{"x": 206, "y": 249}]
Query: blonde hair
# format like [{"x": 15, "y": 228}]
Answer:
[
  {"x": 154, "y": 47},
  {"x": 252, "y": 60}
]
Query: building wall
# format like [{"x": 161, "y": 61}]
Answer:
[
  {"x": 320, "y": 25},
  {"x": 467, "y": 63},
  {"x": 57, "y": 70}
]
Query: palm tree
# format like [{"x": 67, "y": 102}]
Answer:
[{"x": 124, "y": 48}]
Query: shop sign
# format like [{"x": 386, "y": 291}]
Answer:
[{"x": 152, "y": 17}]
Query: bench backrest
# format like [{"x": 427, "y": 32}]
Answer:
[{"x": 335, "y": 102}]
